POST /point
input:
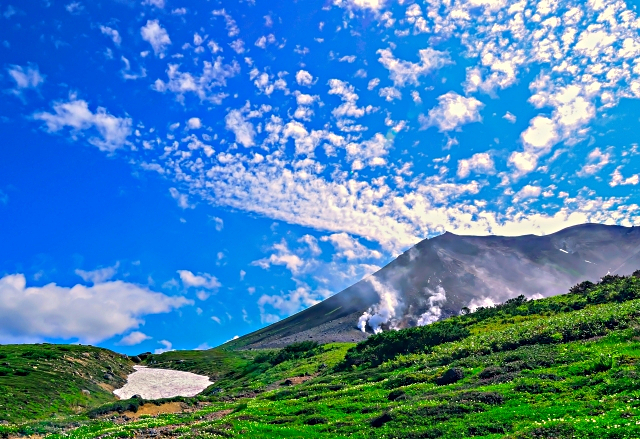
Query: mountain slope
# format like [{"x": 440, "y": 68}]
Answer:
[
  {"x": 37, "y": 381},
  {"x": 438, "y": 277},
  {"x": 561, "y": 367}
]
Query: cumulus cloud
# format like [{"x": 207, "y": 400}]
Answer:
[
  {"x": 596, "y": 160},
  {"x": 405, "y": 72},
  {"x": 156, "y": 3},
  {"x": 194, "y": 123},
  {"x": 206, "y": 86},
  {"x": 304, "y": 78},
  {"x": 528, "y": 191},
  {"x": 618, "y": 180},
  {"x": 288, "y": 303},
  {"x": 75, "y": 114},
  {"x": 390, "y": 93},
  {"x": 200, "y": 280},
  {"x": 182, "y": 199},
  {"x": 370, "y": 152},
  {"x": 167, "y": 346},
  {"x": 312, "y": 242},
  {"x": 155, "y": 35},
  {"x": 282, "y": 256},
  {"x": 350, "y": 248},
  {"x": 481, "y": 163},
  {"x": 133, "y": 338},
  {"x": 374, "y": 5},
  {"x": 28, "y": 77},
  {"x": 52, "y": 311},
  {"x": 219, "y": 223},
  {"x": 111, "y": 33},
  {"x": 452, "y": 112},
  {"x": 98, "y": 275},
  {"x": 241, "y": 128}
]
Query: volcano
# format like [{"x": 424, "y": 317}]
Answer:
[{"x": 441, "y": 276}]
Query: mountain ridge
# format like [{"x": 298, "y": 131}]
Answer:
[{"x": 439, "y": 276}]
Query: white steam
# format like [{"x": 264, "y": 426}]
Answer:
[
  {"x": 434, "y": 312},
  {"x": 384, "y": 312}
]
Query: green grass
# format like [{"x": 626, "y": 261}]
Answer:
[
  {"x": 39, "y": 381},
  {"x": 561, "y": 367}
]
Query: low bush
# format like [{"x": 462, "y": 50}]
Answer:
[
  {"x": 451, "y": 376},
  {"x": 389, "y": 344},
  {"x": 294, "y": 351}
]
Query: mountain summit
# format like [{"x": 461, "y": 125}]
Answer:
[{"x": 440, "y": 276}]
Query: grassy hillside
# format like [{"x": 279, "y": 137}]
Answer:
[
  {"x": 561, "y": 367},
  {"x": 38, "y": 381}
]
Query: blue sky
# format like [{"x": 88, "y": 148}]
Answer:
[{"x": 175, "y": 173}]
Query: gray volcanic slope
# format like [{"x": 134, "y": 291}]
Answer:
[{"x": 457, "y": 271}]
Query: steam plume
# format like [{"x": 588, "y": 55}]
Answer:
[
  {"x": 434, "y": 312},
  {"x": 384, "y": 312}
]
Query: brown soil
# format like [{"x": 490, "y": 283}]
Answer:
[
  {"x": 214, "y": 416},
  {"x": 154, "y": 410},
  {"x": 109, "y": 388}
]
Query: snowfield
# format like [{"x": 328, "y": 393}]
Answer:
[{"x": 152, "y": 383}]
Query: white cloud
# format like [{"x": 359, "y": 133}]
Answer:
[
  {"x": 350, "y": 248},
  {"x": 75, "y": 114},
  {"x": 182, "y": 199},
  {"x": 481, "y": 163},
  {"x": 241, "y": 128},
  {"x": 370, "y": 152},
  {"x": 90, "y": 314},
  {"x": 214, "y": 76},
  {"x": 287, "y": 303},
  {"x": 155, "y": 35},
  {"x": 618, "y": 180},
  {"x": 596, "y": 160},
  {"x": 168, "y": 346},
  {"x": 194, "y": 123},
  {"x": 528, "y": 191},
  {"x": 134, "y": 338},
  {"x": 216, "y": 319},
  {"x": 405, "y": 72},
  {"x": 111, "y": 33},
  {"x": 282, "y": 256},
  {"x": 452, "y": 112},
  {"x": 156, "y": 3},
  {"x": 28, "y": 77},
  {"x": 390, "y": 93},
  {"x": 374, "y": 5},
  {"x": 99, "y": 275},
  {"x": 524, "y": 162},
  {"x": 304, "y": 78},
  {"x": 509, "y": 117},
  {"x": 200, "y": 280},
  {"x": 219, "y": 223},
  {"x": 541, "y": 134},
  {"x": 312, "y": 242},
  {"x": 373, "y": 83}
]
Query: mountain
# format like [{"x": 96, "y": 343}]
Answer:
[
  {"x": 42, "y": 380},
  {"x": 560, "y": 367},
  {"x": 438, "y": 277}
]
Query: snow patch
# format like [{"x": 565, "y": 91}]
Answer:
[{"x": 152, "y": 383}]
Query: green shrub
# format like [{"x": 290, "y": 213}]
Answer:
[
  {"x": 451, "y": 376},
  {"x": 315, "y": 420},
  {"x": 389, "y": 344}
]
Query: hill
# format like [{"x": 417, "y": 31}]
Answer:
[
  {"x": 566, "y": 366},
  {"x": 43, "y": 380},
  {"x": 438, "y": 277}
]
